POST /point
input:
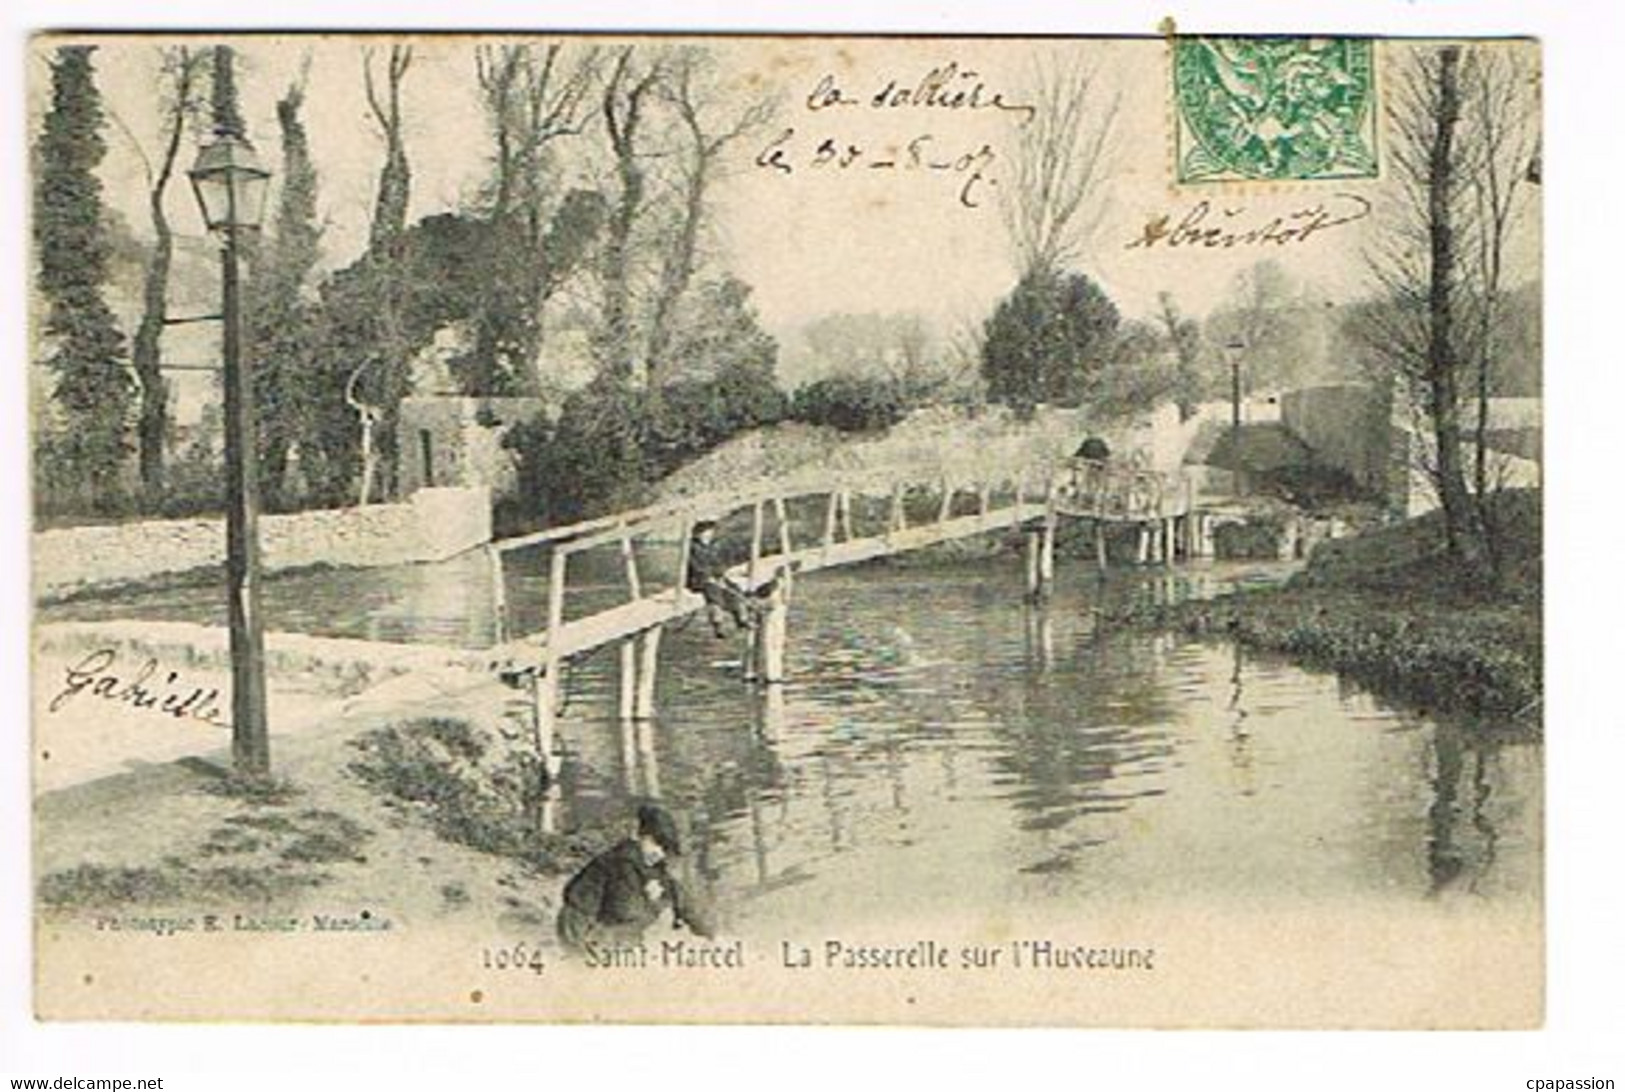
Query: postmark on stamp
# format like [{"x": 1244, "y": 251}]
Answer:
[{"x": 1273, "y": 109}]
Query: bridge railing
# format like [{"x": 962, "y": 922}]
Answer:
[
  {"x": 1120, "y": 491},
  {"x": 1102, "y": 490},
  {"x": 776, "y": 539}
]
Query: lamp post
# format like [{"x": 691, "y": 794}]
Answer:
[
  {"x": 1232, "y": 351},
  {"x": 230, "y": 183}
]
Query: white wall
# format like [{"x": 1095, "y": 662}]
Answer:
[{"x": 435, "y": 524}]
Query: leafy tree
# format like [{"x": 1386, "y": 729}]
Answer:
[
  {"x": 94, "y": 390},
  {"x": 593, "y": 458},
  {"x": 631, "y": 89},
  {"x": 1048, "y": 339},
  {"x": 516, "y": 280},
  {"x": 710, "y": 119},
  {"x": 850, "y": 403},
  {"x": 612, "y": 439},
  {"x": 726, "y": 364}
]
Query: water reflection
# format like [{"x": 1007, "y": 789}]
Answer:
[
  {"x": 941, "y": 743},
  {"x": 1462, "y": 835},
  {"x": 1241, "y": 751}
]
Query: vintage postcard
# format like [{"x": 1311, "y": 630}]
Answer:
[{"x": 907, "y": 530}]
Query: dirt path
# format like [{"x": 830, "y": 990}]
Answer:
[{"x": 183, "y": 837}]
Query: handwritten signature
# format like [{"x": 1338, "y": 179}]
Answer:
[
  {"x": 1205, "y": 227},
  {"x": 94, "y": 675}
]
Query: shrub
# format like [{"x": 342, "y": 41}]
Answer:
[{"x": 849, "y": 403}]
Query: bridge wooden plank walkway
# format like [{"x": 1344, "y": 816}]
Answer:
[{"x": 1103, "y": 493}]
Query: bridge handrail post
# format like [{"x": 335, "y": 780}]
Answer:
[
  {"x": 629, "y": 559},
  {"x": 755, "y": 544},
  {"x": 557, "y": 564},
  {"x": 499, "y": 594},
  {"x": 685, "y": 542},
  {"x": 786, "y": 545}
]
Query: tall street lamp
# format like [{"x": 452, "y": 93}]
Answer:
[
  {"x": 1233, "y": 351},
  {"x": 231, "y": 183}
]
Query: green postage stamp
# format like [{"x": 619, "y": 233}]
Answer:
[{"x": 1274, "y": 109}]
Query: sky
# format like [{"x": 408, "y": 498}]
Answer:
[{"x": 811, "y": 240}]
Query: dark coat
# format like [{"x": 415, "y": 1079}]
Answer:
[
  {"x": 705, "y": 566},
  {"x": 616, "y": 896}
]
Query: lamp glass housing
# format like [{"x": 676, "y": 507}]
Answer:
[{"x": 230, "y": 183}]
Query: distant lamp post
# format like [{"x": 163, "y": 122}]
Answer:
[
  {"x": 1233, "y": 351},
  {"x": 231, "y": 183}
]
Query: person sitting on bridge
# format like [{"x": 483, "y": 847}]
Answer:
[
  {"x": 708, "y": 575},
  {"x": 618, "y": 894},
  {"x": 1089, "y": 467}
]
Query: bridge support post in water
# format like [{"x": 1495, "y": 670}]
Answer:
[
  {"x": 546, "y": 690},
  {"x": 1100, "y": 545},
  {"x": 772, "y": 634},
  {"x": 1204, "y": 536},
  {"x": 1034, "y": 572},
  {"x": 1170, "y": 541},
  {"x": 1046, "y": 546},
  {"x": 643, "y": 698},
  {"x": 549, "y": 687},
  {"x": 629, "y": 678}
]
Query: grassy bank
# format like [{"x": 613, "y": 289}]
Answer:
[
  {"x": 1389, "y": 609},
  {"x": 416, "y": 812}
]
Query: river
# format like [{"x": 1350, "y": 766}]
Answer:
[{"x": 941, "y": 743}]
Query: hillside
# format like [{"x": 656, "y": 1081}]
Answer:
[{"x": 930, "y": 443}]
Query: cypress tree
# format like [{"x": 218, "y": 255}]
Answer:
[{"x": 93, "y": 390}]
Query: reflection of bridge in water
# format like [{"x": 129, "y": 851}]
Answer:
[{"x": 797, "y": 530}]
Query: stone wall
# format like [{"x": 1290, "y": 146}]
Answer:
[
  {"x": 435, "y": 524},
  {"x": 1346, "y": 427}
]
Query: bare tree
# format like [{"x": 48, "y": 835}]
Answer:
[
  {"x": 1184, "y": 336},
  {"x": 1420, "y": 330},
  {"x": 1267, "y": 311},
  {"x": 395, "y": 179},
  {"x": 182, "y": 87},
  {"x": 962, "y": 363},
  {"x": 709, "y": 123},
  {"x": 532, "y": 95},
  {"x": 1502, "y": 127},
  {"x": 631, "y": 88},
  {"x": 1051, "y": 208}
]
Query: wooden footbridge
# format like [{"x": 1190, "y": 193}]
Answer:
[{"x": 794, "y": 531}]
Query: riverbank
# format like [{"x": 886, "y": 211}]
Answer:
[
  {"x": 1387, "y": 608},
  {"x": 404, "y": 812}
]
